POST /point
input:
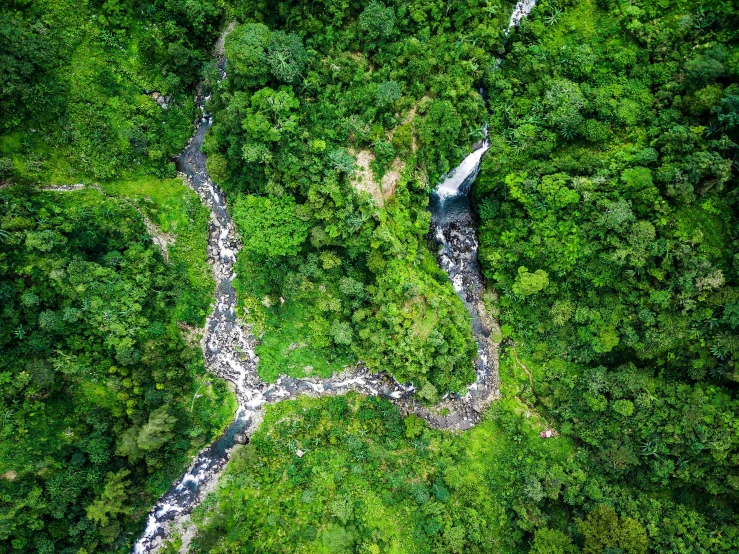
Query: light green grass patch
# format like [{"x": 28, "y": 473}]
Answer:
[
  {"x": 286, "y": 350},
  {"x": 176, "y": 210}
]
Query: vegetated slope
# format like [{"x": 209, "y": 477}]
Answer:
[
  {"x": 349, "y": 474},
  {"x": 332, "y": 126},
  {"x": 608, "y": 208},
  {"x": 101, "y": 400},
  {"x": 97, "y": 400},
  {"x": 609, "y": 219},
  {"x": 79, "y": 80}
]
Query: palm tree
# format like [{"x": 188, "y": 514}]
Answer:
[{"x": 553, "y": 17}]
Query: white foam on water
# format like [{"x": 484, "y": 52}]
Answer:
[
  {"x": 349, "y": 382},
  {"x": 255, "y": 399},
  {"x": 451, "y": 183},
  {"x": 317, "y": 387},
  {"x": 522, "y": 9},
  {"x": 167, "y": 508},
  {"x": 152, "y": 527},
  {"x": 457, "y": 282}
]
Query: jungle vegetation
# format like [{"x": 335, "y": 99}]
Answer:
[
  {"x": 102, "y": 400},
  {"x": 607, "y": 212},
  {"x": 331, "y": 126},
  {"x": 607, "y": 208}
]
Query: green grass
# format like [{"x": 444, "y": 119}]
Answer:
[
  {"x": 285, "y": 348},
  {"x": 176, "y": 210},
  {"x": 394, "y": 483}
]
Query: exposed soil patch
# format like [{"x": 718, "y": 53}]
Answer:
[{"x": 364, "y": 177}]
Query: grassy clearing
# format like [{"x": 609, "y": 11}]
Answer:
[
  {"x": 177, "y": 210},
  {"x": 286, "y": 349}
]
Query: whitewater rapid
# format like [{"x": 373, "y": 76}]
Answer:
[{"x": 229, "y": 344}]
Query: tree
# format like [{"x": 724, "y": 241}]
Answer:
[
  {"x": 269, "y": 226},
  {"x": 605, "y": 532},
  {"x": 270, "y": 114},
  {"x": 286, "y": 56},
  {"x": 113, "y": 499},
  {"x": 528, "y": 283},
  {"x": 338, "y": 539},
  {"x": 414, "y": 426},
  {"x": 387, "y": 93},
  {"x": 157, "y": 431},
  {"x": 555, "y": 191},
  {"x": 377, "y": 20},
  {"x": 441, "y": 126},
  {"x": 564, "y": 100},
  {"x": 246, "y": 52},
  {"x": 217, "y": 166},
  {"x": 127, "y": 445},
  {"x": 341, "y": 332},
  {"x": 552, "y": 541}
]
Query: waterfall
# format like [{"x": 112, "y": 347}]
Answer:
[
  {"x": 460, "y": 179},
  {"x": 522, "y": 9},
  {"x": 229, "y": 348}
]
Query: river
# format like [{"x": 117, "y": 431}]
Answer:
[{"x": 228, "y": 343}]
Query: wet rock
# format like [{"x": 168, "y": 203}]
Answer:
[{"x": 162, "y": 101}]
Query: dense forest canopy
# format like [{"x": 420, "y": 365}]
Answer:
[
  {"x": 97, "y": 386},
  {"x": 607, "y": 211},
  {"x": 607, "y": 207},
  {"x": 336, "y": 119},
  {"x": 97, "y": 383},
  {"x": 613, "y": 172}
]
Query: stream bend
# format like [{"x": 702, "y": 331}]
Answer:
[
  {"x": 228, "y": 343},
  {"x": 228, "y": 348}
]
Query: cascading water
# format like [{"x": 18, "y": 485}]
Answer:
[
  {"x": 520, "y": 12},
  {"x": 228, "y": 344},
  {"x": 453, "y": 227},
  {"x": 460, "y": 179}
]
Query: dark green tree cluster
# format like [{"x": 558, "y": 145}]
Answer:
[
  {"x": 608, "y": 206},
  {"x": 322, "y": 101},
  {"x": 77, "y": 82},
  {"x": 620, "y": 244},
  {"x": 97, "y": 406}
]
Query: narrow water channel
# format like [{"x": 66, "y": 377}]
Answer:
[{"x": 228, "y": 344}]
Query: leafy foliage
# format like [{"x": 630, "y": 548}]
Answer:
[
  {"x": 612, "y": 174},
  {"x": 64, "y": 62},
  {"x": 97, "y": 384},
  {"x": 309, "y": 97}
]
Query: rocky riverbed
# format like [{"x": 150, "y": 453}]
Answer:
[
  {"x": 228, "y": 347},
  {"x": 228, "y": 343}
]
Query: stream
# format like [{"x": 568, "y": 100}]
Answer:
[{"x": 228, "y": 343}]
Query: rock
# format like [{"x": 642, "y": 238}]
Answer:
[{"x": 241, "y": 438}]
